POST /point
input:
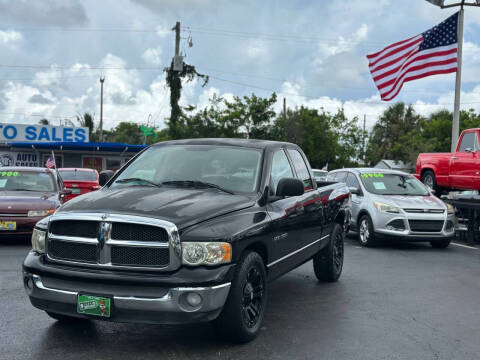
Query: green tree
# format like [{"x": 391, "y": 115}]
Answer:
[
  {"x": 86, "y": 120},
  {"x": 126, "y": 132},
  {"x": 44, "y": 121}
]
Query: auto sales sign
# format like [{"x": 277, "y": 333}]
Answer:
[{"x": 42, "y": 133}]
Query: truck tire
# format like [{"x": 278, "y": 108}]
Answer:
[
  {"x": 65, "y": 318},
  {"x": 244, "y": 310},
  {"x": 328, "y": 262},
  {"x": 366, "y": 232},
  {"x": 428, "y": 178},
  {"x": 441, "y": 244}
]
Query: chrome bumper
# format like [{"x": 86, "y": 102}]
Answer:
[{"x": 170, "y": 309}]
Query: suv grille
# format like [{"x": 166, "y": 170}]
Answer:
[
  {"x": 125, "y": 244},
  {"x": 79, "y": 228},
  {"x": 426, "y": 225}
]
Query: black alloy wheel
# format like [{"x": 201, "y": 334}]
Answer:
[
  {"x": 242, "y": 315},
  {"x": 328, "y": 262},
  {"x": 252, "y": 301}
]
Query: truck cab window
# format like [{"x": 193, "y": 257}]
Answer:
[
  {"x": 301, "y": 168},
  {"x": 280, "y": 168},
  {"x": 468, "y": 142}
]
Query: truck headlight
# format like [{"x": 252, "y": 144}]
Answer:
[
  {"x": 38, "y": 241},
  {"x": 450, "y": 209},
  {"x": 386, "y": 208},
  {"x": 206, "y": 253},
  {"x": 38, "y": 213}
]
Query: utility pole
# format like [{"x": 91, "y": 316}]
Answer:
[
  {"x": 285, "y": 109},
  {"x": 177, "y": 59},
  {"x": 102, "y": 79}
]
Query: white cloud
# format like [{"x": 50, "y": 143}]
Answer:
[
  {"x": 10, "y": 37},
  {"x": 153, "y": 56},
  {"x": 256, "y": 50}
]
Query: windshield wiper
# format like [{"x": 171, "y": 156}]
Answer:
[
  {"x": 133, "y": 179},
  {"x": 198, "y": 184}
]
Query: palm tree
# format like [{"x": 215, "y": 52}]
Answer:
[
  {"x": 86, "y": 120},
  {"x": 44, "y": 121}
]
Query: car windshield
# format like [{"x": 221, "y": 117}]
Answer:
[
  {"x": 78, "y": 175},
  {"x": 26, "y": 181},
  {"x": 234, "y": 169},
  {"x": 393, "y": 184}
]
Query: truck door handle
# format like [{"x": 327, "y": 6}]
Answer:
[{"x": 454, "y": 158}]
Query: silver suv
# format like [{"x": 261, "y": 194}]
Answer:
[{"x": 388, "y": 204}]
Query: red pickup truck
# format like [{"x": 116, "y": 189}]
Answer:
[{"x": 453, "y": 171}]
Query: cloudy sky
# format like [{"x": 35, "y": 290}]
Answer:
[{"x": 52, "y": 54}]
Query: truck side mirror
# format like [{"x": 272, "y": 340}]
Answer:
[
  {"x": 104, "y": 177},
  {"x": 290, "y": 187},
  {"x": 354, "y": 191}
]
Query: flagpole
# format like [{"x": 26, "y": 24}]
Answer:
[{"x": 458, "y": 84}]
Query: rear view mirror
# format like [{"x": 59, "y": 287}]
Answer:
[
  {"x": 104, "y": 177},
  {"x": 290, "y": 187}
]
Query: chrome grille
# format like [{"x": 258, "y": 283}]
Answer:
[
  {"x": 113, "y": 241},
  {"x": 424, "y": 211}
]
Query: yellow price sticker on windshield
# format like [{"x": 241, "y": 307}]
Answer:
[
  {"x": 371, "y": 175},
  {"x": 8, "y": 173}
]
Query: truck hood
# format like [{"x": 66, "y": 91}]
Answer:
[
  {"x": 182, "y": 206},
  {"x": 412, "y": 202}
]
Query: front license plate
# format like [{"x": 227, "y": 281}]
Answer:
[
  {"x": 8, "y": 225},
  {"x": 94, "y": 305},
  {"x": 76, "y": 191}
]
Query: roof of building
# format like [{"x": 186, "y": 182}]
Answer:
[
  {"x": 85, "y": 146},
  {"x": 395, "y": 164}
]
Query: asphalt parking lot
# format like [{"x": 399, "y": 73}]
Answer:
[{"x": 405, "y": 301}]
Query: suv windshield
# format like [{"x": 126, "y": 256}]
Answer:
[
  {"x": 393, "y": 184},
  {"x": 78, "y": 175},
  {"x": 26, "y": 181},
  {"x": 230, "y": 168}
]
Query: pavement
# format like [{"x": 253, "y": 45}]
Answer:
[{"x": 403, "y": 301}]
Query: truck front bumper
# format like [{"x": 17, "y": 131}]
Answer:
[{"x": 131, "y": 301}]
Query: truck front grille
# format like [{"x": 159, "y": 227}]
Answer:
[
  {"x": 87, "y": 229},
  {"x": 426, "y": 225},
  {"x": 138, "y": 256},
  {"x": 111, "y": 243},
  {"x": 73, "y": 251}
]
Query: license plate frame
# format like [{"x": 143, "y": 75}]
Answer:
[
  {"x": 91, "y": 305},
  {"x": 8, "y": 225}
]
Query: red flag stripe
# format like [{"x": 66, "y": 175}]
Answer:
[
  {"x": 394, "y": 82},
  {"x": 400, "y": 50},
  {"x": 420, "y": 76},
  {"x": 398, "y": 57},
  {"x": 417, "y": 56},
  {"x": 452, "y": 53},
  {"x": 373, "y": 56}
]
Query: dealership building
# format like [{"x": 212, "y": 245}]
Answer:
[{"x": 32, "y": 145}]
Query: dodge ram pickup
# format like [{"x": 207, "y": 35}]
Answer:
[
  {"x": 188, "y": 231},
  {"x": 453, "y": 171}
]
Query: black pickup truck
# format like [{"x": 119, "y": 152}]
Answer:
[{"x": 187, "y": 231}]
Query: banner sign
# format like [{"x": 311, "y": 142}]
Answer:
[
  {"x": 10, "y": 158},
  {"x": 42, "y": 133}
]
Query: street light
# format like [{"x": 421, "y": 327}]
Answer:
[{"x": 458, "y": 79}]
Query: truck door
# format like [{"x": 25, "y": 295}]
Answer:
[{"x": 464, "y": 162}]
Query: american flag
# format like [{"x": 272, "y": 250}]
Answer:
[
  {"x": 430, "y": 53},
  {"x": 50, "y": 163}
]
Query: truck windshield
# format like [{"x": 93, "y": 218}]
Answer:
[
  {"x": 234, "y": 169},
  {"x": 393, "y": 184}
]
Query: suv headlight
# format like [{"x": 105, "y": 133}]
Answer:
[
  {"x": 386, "y": 208},
  {"x": 206, "y": 253},
  {"x": 38, "y": 241},
  {"x": 38, "y": 213},
  {"x": 450, "y": 209}
]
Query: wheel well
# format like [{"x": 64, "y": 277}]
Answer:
[
  {"x": 363, "y": 212},
  {"x": 261, "y": 249},
  {"x": 423, "y": 172}
]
